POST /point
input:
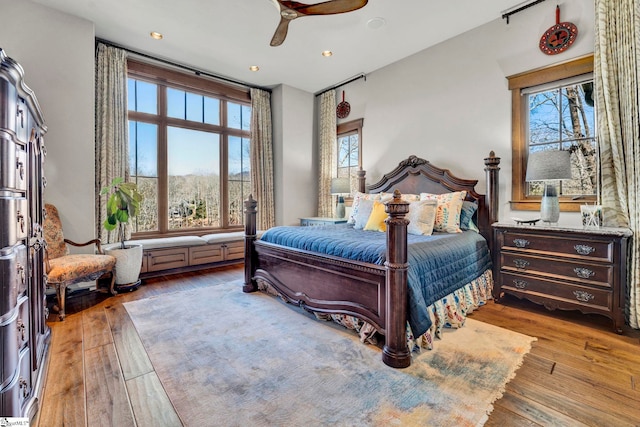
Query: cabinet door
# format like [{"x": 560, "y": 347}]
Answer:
[{"x": 164, "y": 259}]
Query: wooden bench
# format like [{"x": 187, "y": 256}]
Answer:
[{"x": 166, "y": 255}]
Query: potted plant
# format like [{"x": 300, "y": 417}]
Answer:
[{"x": 123, "y": 204}]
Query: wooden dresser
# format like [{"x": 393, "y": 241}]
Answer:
[
  {"x": 563, "y": 268},
  {"x": 24, "y": 335}
]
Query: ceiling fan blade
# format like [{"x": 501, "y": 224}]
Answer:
[
  {"x": 328, "y": 7},
  {"x": 281, "y": 32}
]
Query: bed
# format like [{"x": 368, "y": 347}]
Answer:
[{"x": 374, "y": 291}]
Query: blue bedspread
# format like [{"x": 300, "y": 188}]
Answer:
[{"x": 438, "y": 264}]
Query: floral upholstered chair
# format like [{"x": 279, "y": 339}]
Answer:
[{"x": 64, "y": 269}]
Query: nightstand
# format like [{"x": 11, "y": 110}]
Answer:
[
  {"x": 315, "y": 221},
  {"x": 581, "y": 269}
]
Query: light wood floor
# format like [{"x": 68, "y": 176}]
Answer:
[{"x": 578, "y": 373}]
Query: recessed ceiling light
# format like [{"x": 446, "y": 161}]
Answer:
[
  {"x": 156, "y": 35},
  {"x": 254, "y": 68},
  {"x": 327, "y": 53},
  {"x": 375, "y": 23}
]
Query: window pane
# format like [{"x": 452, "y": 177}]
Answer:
[
  {"x": 348, "y": 155},
  {"x": 239, "y": 177},
  {"x": 143, "y": 158},
  {"x": 194, "y": 107},
  {"x": 143, "y": 149},
  {"x": 238, "y": 116},
  {"x": 211, "y": 111},
  {"x": 194, "y": 178},
  {"x": 142, "y": 96},
  {"x": 564, "y": 118},
  {"x": 175, "y": 103}
]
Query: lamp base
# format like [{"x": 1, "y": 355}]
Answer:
[
  {"x": 340, "y": 210},
  {"x": 550, "y": 205}
]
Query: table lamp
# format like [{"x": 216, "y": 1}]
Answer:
[
  {"x": 549, "y": 165},
  {"x": 340, "y": 187}
]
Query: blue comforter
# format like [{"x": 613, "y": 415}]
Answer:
[{"x": 438, "y": 264}]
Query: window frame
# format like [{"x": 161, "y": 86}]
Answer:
[
  {"x": 164, "y": 77},
  {"x": 519, "y": 145},
  {"x": 351, "y": 127}
]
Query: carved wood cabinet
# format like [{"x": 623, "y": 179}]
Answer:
[
  {"x": 564, "y": 268},
  {"x": 24, "y": 335}
]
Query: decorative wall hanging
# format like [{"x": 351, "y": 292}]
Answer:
[
  {"x": 343, "y": 108},
  {"x": 558, "y": 38}
]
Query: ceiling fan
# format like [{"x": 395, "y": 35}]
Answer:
[{"x": 290, "y": 10}]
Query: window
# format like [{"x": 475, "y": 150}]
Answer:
[
  {"x": 552, "y": 108},
  {"x": 189, "y": 141},
  {"x": 349, "y": 149}
]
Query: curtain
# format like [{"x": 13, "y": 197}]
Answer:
[
  {"x": 616, "y": 62},
  {"x": 262, "y": 158},
  {"x": 112, "y": 143},
  {"x": 327, "y": 157}
]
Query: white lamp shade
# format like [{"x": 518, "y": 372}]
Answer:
[
  {"x": 549, "y": 165},
  {"x": 340, "y": 186}
]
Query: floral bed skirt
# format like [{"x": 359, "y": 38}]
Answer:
[{"x": 449, "y": 312}]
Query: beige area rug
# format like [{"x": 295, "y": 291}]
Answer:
[{"x": 226, "y": 358}]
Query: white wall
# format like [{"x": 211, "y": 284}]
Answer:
[
  {"x": 450, "y": 104},
  {"x": 294, "y": 155},
  {"x": 56, "y": 51}
]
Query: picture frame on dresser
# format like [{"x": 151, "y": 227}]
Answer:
[{"x": 564, "y": 268}]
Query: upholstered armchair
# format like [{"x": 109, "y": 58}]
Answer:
[{"x": 64, "y": 269}]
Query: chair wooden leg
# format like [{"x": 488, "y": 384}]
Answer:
[
  {"x": 61, "y": 290},
  {"x": 112, "y": 287}
]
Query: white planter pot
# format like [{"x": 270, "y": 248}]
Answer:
[{"x": 128, "y": 262}]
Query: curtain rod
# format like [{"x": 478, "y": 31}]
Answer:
[
  {"x": 520, "y": 8},
  {"x": 184, "y": 67},
  {"x": 342, "y": 83}
]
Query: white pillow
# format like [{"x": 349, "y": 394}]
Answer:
[
  {"x": 422, "y": 216},
  {"x": 448, "y": 213},
  {"x": 362, "y": 214},
  {"x": 357, "y": 197}
]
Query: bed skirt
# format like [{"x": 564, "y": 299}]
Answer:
[{"x": 448, "y": 312}]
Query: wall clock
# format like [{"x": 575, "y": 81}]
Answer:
[{"x": 559, "y": 37}]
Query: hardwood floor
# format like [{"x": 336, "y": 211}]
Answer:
[{"x": 578, "y": 373}]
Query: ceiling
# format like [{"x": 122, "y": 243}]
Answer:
[{"x": 226, "y": 37}]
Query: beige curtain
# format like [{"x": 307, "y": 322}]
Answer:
[
  {"x": 112, "y": 136},
  {"x": 327, "y": 153},
  {"x": 262, "y": 158},
  {"x": 616, "y": 56}
]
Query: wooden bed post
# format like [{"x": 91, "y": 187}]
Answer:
[
  {"x": 395, "y": 352},
  {"x": 249, "y": 239},
  {"x": 492, "y": 193},
  {"x": 361, "y": 180}
]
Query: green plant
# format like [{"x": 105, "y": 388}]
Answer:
[{"x": 122, "y": 205}]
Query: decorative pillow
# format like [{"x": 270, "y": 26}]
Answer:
[
  {"x": 466, "y": 216},
  {"x": 364, "y": 211},
  {"x": 377, "y": 217},
  {"x": 404, "y": 197},
  {"x": 448, "y": 212},
  {"x": 422, "y": 216},
  {"x": 357, "y": 197}
]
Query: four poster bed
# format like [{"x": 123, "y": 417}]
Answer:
[{"x": 381, "y": 289}]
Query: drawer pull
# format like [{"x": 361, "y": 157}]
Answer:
[
  {"x": 21, "y": 274},
  {"x": 584, "y": 273},
  {"x": 583, "y": 296},
  {"x": 521, "y": 264},
  {"x": 20, "y": 219},
  {"x": 20, "y": 113},
  {"x": 521, "y": 243},
  {"x": 21, "y": 330},
  {"x": 520, "y": 284},
  {"x": 20, "y": 167},
  {"x": 584, "y": 249}
]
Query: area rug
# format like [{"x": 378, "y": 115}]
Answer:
[{"x": 226, "y": 358}]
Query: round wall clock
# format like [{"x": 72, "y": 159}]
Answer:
[{"x": 558, "y": 38}]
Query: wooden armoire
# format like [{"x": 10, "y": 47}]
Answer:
[{"x": 24, "y": 334}]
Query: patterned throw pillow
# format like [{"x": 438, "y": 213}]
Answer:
[
  {"x": 404, "y": 197},
  {"x": 448, "y": 211},
  {"x": 377, "y": 217},
  {"x": 422, "y": 217},
  {"x": 466, "y": 216},
  {"x": 357, "y": 197},
  {"x": 362, "y": 216}
]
